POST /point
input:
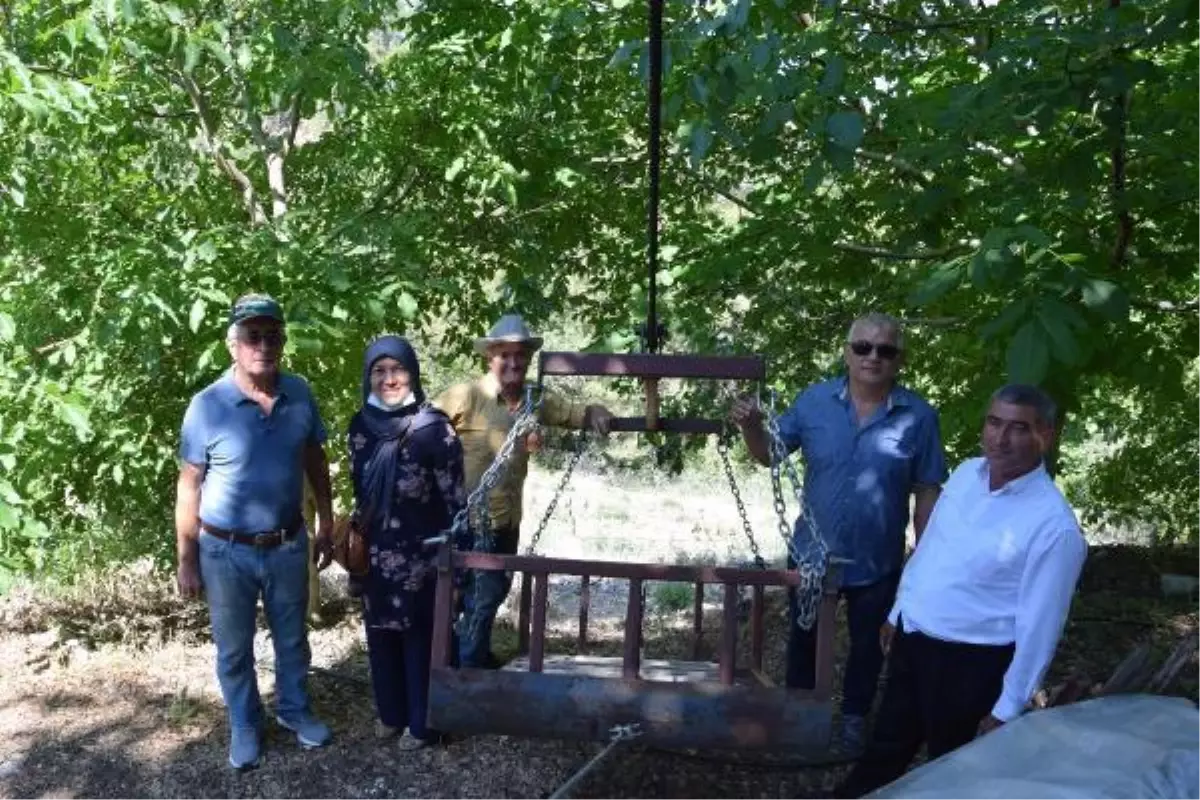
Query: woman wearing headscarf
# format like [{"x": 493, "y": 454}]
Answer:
[{"x": 407, "y": 467}]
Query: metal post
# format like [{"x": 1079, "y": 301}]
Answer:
[{"x": 655, "y": 114}]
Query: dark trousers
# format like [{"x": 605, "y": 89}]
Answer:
[
  {"x": 485, "y": 592},
  {"x": 867, "y": 608},
  {"x": 400, "y": 676},
  {"x": 937, "y": 693}
]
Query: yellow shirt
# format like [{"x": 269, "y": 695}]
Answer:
[{"x": 482, "y": 419}]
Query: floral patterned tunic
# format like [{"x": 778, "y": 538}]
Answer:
[{"x": 428, "y": 492}]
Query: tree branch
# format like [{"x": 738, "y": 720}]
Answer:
[
  {"x": 272, "y": 149},
  {"x": 294, "y": 119},
  {"x": 926, "y": 24},
  {"x": 1167, "y": 306},
  {"x": 892, "y": 255},
  {"x": 900, "y": 165},
  {"x": 375, "y": 203},
  {"x": 216, "y": 147},
  {"x": 1119, "y": 200}
]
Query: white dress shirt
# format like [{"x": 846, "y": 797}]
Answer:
[{"x": 996, "y": 567}]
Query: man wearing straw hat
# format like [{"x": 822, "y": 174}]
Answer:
[{"x": 483, "y": 412}]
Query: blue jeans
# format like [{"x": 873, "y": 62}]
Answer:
[
  {"x": 483, "y": 595},
  {"x": 234, "y": 576},
  {"x": 867, "y": 608}
]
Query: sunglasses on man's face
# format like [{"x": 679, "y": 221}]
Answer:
[
  {"x": 269, "y": 338},
  {"x": 887, "y": 352}
]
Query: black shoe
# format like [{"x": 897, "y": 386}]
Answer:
[{"x": 493, "y": 662}]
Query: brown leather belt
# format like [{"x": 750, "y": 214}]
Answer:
[{"x": 265, "y": 540}]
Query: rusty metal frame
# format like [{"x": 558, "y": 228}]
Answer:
[
  {"x": 722, "y": 714},
  {"x": 653, "y": 365},
  {"x": 650, "y": 368}
]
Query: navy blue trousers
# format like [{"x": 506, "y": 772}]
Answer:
[{"x": 400, "y": 676}]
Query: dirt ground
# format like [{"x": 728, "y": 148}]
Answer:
[{"x": 113, "y": 695}]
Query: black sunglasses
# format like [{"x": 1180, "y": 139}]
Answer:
[
  {"x": 887, "y": 352},
  {"x": 269, "y": 338}
]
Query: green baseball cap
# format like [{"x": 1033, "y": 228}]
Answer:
[{"x": 252, "y": 306}]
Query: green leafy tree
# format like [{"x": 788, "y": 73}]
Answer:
[{"x": 1017, "y": 180}]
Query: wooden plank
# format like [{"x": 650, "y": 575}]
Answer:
[
  {"x": 826, "y": 617},
  {"x": 647, "y": 365},
  {"x": 757, "y": 611},
  {"x": 537, "y": 644},
  {"x": 697, "y": 618},
  {"x": 443, "y": 612},
  {"x": 523, "y": 614},
  {"x": 650, "y": 386},
  {"x": 585, "y": 602},
  {"x": 631, "y": 663},
  {"x": 698, "y": 425},
  {"x": 583, "y": 708},
  {"x": 729, "y": 626},
  {"x": 626, "y": 570}
]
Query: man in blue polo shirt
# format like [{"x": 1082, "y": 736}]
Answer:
[
  {"x": 868, "y": 444},
  {"x": 247, "y": 442}
]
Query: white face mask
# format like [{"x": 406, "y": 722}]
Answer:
[{"x": 374, "y": 400}]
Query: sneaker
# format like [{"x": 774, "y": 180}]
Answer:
[
  {"x": 309, "y": 730},
  {"x": 243, "y": 748},
  {"x": 410, "y": 742},
  {"x": 383, "y": 731},
  {"x": 853, "y": 739}
]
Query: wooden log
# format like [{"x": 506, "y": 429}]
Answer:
[
  {"x": 1072, "y": 690},
  {"x": 631, "y": 663},
  {"x": 1174, "y": 663},
  {"x": 1131, "y": 674},
  {"x": 537, "y": 644},
  {"x": 729, "y": 628},
  {"x": 585, "y": 601},
  {"x": 583, "y": 708}
]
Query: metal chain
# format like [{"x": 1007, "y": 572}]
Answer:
[
  {"x": 812, "y": 566},
  {"x": 723, "y": 450},
  {"x": 580, "y": 448},
  {"x": 474, "y": 515}
]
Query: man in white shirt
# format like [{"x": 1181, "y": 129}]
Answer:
[{"x": 983, "y": 600}]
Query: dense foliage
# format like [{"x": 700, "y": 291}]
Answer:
[{"x": 1018, "y": 180}]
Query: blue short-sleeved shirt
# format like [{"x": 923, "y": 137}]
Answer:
[
  {"x": 858, "y": 478},
  {"x": 253, "y": 462}
]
